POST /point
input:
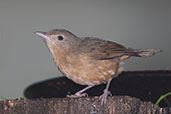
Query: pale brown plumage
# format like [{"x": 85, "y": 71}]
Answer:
[{"x": 89, "y": 61}]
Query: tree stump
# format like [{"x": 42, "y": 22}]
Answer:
[{"x": 84, "y": 105}]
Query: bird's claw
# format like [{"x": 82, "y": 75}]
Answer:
[
  {"x": 103, "y": 97},
  {"x": 77, "y": 95}
]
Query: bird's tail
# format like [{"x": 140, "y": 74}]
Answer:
[{"x": 146, "y": 52}]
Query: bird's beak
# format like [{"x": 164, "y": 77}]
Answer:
[{"x": 42, "y": 35}]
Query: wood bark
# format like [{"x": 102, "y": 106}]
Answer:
[{"x": 84, "y": 105}]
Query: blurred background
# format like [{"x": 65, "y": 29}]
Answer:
[{"x": 24, "y": 58}]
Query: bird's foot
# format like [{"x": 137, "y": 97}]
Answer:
[
  {"x": 103, "y": 97},
  {"x": 77, "y": 95},
  {"x": 80, "y": 93}
]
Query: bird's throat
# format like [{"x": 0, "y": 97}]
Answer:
[{"x": 59, "y": 55}]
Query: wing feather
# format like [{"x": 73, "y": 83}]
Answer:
[{"x": 101, "y": 49}]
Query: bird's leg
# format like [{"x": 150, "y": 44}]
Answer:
[
  {"x": 103, "y": 97},
  {"x": 80, "y": 93}
]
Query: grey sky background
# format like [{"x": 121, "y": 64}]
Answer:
[{"x": 24, "y": 58}]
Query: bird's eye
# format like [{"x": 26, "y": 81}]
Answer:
[{"x": 60, "y": 37}]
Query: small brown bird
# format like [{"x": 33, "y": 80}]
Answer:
[{"x": 89, "y": 61}]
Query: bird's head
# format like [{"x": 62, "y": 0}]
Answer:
[{"x": 60, "y": 39}]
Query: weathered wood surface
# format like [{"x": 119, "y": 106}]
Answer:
[{"x": 85, "y": 105}]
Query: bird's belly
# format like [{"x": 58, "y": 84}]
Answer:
[{"x": 92, "y": 73}]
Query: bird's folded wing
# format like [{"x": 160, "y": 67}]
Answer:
[{"x": 101, "y": 49}]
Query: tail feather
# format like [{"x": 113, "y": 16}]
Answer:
[{"x": 146, "y": 52}]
